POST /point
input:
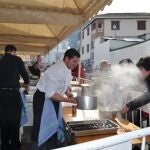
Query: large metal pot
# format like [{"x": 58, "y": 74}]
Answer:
[
  {"x": 86, "y": 89},
  {"x": 86, "y": 102}
]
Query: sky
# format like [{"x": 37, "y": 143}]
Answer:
[{"x": 120, "y": 6}]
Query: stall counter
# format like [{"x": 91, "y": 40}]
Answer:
[{"x": 125, "y": 126}]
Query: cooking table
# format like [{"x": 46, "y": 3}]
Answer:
[{"x": 93, "y": 114}]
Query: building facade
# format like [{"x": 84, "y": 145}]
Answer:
[{"x": 113, "y": 26}]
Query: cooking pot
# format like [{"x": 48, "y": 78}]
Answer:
[
  {"x": 76, "y": 89},
  {"x": 86, "y": 102},
  {"x": 86, "y": 89},
  {"x": 108, "y": 114}
]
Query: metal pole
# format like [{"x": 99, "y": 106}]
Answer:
[
  {"x": 132, "y": 116},
  {"x": 141, "y": 118},
  {"x": 57, "y": 51},
  {"x": 115, "y": 34},
  {"x": 149, "y": 119},
  {"x": 143, "y": 144},
  {"x": 79, "y": 69}
]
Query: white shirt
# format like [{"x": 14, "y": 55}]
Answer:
[{"x": 56, "y": 79}]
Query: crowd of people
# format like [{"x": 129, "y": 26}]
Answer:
[{"x": 47, "y": 130}]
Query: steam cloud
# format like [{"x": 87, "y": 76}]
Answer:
[{"x": 118, "y": 86}]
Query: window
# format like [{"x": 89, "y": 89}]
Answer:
[
  {"x": 88, "y": 48},
  {"x": 88, "y": 31},
  {"x": 93, "y": 26},
  {"x": 141, "y": 25},
  {"x": 82, "y": 50},
  {"x": 92, "y": 44},
  {"x": 99, "y": 25},
  {"x": 92, "y": 55},
  {"x": 83, "y": 34},
  {"x": 115, "y": 25}
]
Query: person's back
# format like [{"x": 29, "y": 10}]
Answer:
[{"x": 10, "y": 68}]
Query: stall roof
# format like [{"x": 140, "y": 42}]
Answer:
[{"x": 36, "y": 26}]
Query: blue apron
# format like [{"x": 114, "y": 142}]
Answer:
[
  {"x": 24, "y": 114},
  {"x": 50, "y": 124}
]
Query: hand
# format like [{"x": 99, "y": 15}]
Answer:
[
  {"x": 69, "y": 94},
  {"x": 124, "y": 109},
  {"x": 26, "y": 86},
  {"x": 72, "y": 100}
]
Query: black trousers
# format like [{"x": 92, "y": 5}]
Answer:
[
  {"x": 10, "y": 115},
  {"x": 38, "y": 103}
]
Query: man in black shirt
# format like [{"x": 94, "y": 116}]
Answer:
[
  {"x": 11, "y": 67},
  {"x": 34, "y": 69}
]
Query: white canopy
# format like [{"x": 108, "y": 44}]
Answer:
[{"x": 36, "y": 26}]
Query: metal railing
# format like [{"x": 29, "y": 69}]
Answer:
[{"x": 109, "y": 143}]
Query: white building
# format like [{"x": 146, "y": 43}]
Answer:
[
  {"x": 114, "y": 25},
  {"x": 115, "y": 50}
]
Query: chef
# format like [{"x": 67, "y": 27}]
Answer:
[{"x": 47, "y": 109}]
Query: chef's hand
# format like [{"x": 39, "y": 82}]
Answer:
[
  {"x": 124, "y": 109},
  {"x": 26, "y": 86},
  {"x": 69, "y": 94},
  {"x": 72, "y": 100}
]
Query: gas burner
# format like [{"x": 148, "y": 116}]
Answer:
[{"x": 92, "y": 127}]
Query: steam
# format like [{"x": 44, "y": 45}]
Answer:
[{"x": 116, "y": 87}]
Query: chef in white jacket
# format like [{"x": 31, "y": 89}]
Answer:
[{"x": 52, "y": 86}]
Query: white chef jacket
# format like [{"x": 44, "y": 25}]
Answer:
[{"x": 56, "y": 79}]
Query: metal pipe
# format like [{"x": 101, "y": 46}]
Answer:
[
  {"x": 79, "y": 69},
  {"x": 149, "y": 119},
  {"x": 140, "y": 118},
  {"x": 132, "y": 116}
]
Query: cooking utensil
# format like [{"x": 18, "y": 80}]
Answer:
[
  {"x": 128, "y": 126},
  {"x": 109, "y": 114},
  {"x": 86, "y": 89},
  {"x": 86, "y": 102},
  {"x": 92, "y": 127}
]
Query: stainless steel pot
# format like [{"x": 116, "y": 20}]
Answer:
[
  {"x": 86, "y": 102},
  {"x": 86, "y": 89}
]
